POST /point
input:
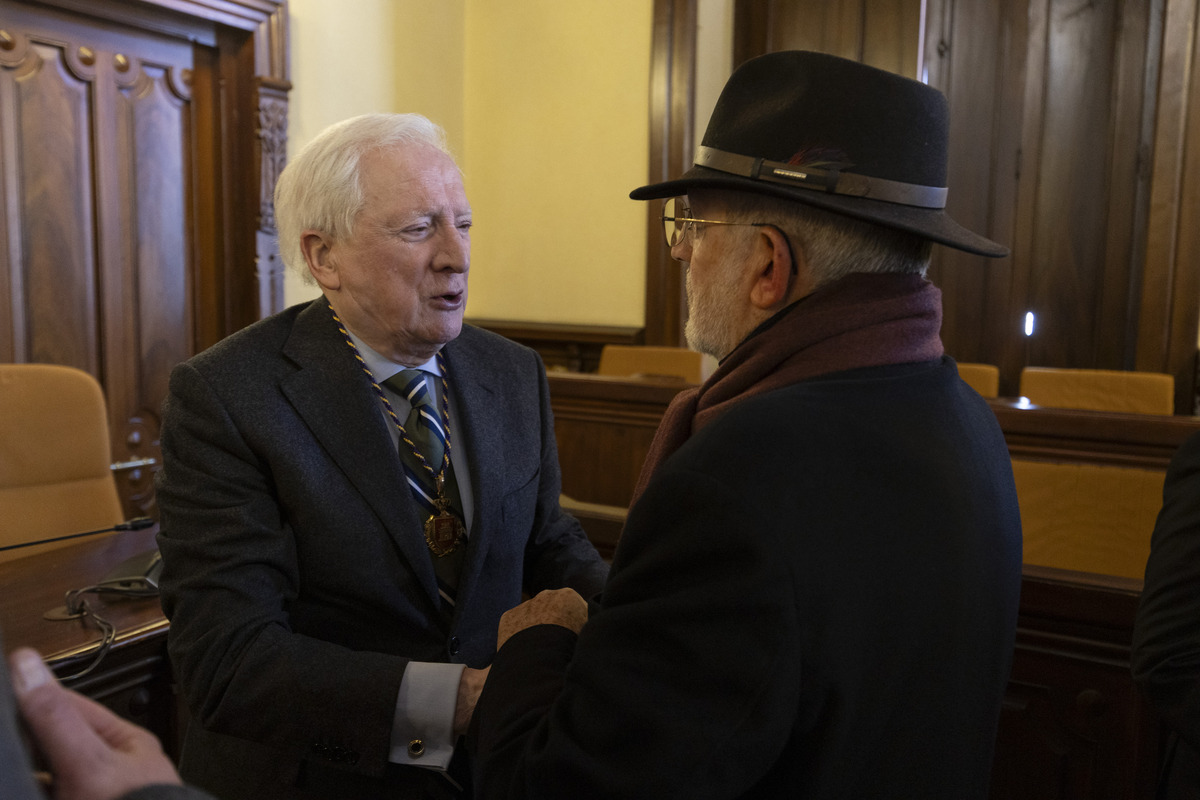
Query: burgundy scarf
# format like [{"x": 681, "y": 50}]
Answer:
[{"x": 862, "y": 320}]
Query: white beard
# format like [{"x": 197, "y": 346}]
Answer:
[{"x": 715, "y": 323}]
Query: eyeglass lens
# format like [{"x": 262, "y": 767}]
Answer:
[{"x": 675, "y": 211}]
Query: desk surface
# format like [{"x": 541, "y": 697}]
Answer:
[{"x": 36, "y": 584}]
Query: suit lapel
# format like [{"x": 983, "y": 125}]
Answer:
[
  {"x": 332, "y": 394},
  {"x": 474, "y": 388}
]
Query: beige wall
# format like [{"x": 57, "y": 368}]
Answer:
[
  {"x": 545, "y": 104},
  {"x": 336, "y": 73}
]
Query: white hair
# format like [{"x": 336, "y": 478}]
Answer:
[
  {"x": 321, "y": 188},
  {"x": 834, "y": 245}
]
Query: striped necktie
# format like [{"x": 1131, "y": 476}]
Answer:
[
  {"x": 425, "y": 428},
  {"x": 424, "y": 423}
]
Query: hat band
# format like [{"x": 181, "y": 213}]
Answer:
[{"x": 831, "y": 181}]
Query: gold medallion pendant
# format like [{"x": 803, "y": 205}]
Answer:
[{"x": 443, "y": 532}]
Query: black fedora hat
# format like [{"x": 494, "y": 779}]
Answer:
[{"x": 835, "y": 134}]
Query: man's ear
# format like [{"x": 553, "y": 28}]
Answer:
[
  {"x": 318, "y": 250},
  {"x": 775, "y": 270}
]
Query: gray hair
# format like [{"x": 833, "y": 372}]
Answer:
[
  {"x": 833, "y": 244},
  {"x": 321, "y": 188}
]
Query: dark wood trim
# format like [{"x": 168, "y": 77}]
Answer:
[
  {"x": 1131, "y": 440},
  {"x": 1170, "y": 312},
  {"x": 564, "y": 346},
  {"x": 751, "y": 29},
  {"x": 672, "y": 104}
]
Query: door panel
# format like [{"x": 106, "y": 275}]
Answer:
[{"x": 97, "y": 220}]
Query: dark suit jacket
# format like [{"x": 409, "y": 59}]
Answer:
[
  {"x": 815, "y": 597},
  {"x": 296, "y": 577},
  {"x": 1166, "y": 636}
]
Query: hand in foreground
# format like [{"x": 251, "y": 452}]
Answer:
[
  {"x": 469, "y": 687},
  {"x": 92, "y": 753},
  {"x": 550, "y": 607}
]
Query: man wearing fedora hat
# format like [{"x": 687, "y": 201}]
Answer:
[{"x": 815, "y": 593}]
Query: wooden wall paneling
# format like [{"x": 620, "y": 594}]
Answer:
[
  {"x": 145, "y": 127},
  {"x": 882, "y": 33},
  {"x": 1067, "y": 185},
  {"x": 1073, "y": 726},
  {"x": 51, "y": 200},
  {"x": 1080, "y": 262},
  {"x": 212, "y": 250},
  {"x": 982, "y": 71},
  {"x": 1185, "y": 299},
  {"x": 672, "y": 99},
  {"x": 604, "y": 427},
  {"x": 1170, "y": 289},
  {"x": 12, "y": 53}
]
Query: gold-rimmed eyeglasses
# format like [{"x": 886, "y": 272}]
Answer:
[{"x": 678, "y": 222}]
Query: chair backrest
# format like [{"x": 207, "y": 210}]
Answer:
[
  {"x": 1088, "y": 517},
  {"x": 1100, "y": 390},
  {"x": 677, "y": 362},
  {"x": 55, "y": 478},
  {"x": 983, "y": 378}
]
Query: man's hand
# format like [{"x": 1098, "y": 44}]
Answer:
[
  {"x": 469, "y": 687},
  {"x": 550, "y": 607},
  {"x": 92, "y": 753}
]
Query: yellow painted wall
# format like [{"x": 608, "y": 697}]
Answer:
[
  {"x": 340, "y": 66},
  {"x": 546, "y": 108},
  {"x": 556, "y": 136}
]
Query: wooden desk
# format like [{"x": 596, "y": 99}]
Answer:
[
  {"x": 1073, "y": 726},
  {"x": 134, "y": 677},
  {"x": 1064, "y": 434}
]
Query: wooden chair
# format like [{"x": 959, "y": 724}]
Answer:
[
  {"x": 55, "y": 478},
  {"x": 1100, "y": 390},
  {"x": 677, "y": 362},
  {"x": 983, "y": 378},
  {"x": 1088, "y": 517}
]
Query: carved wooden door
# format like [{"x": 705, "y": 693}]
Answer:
[{"x": 98, "y": 206}]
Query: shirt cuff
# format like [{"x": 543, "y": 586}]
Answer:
[{"x": 423, "y": 728}]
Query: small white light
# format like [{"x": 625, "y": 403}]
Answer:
[{"x": 1029, "y": 323}]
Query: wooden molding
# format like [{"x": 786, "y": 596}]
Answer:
[
  {"x": 563, "y": 346},
  {"x": 672, "y": 103}
]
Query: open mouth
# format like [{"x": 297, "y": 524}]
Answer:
[{"x": 449, "y": 299}]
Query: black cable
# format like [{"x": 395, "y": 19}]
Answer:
[{"x": 78, "y": 608}]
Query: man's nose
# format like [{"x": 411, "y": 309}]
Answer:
[
  {"x": 454, "y": 249},
  {"x": 682, "y": 250}
]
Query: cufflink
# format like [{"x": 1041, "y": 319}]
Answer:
[{"x": 416, "y": 748}]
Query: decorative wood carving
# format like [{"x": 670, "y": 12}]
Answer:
[{"x": 272, "y": 135}]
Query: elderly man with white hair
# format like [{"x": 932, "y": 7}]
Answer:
[{"x": 354, "y": 490}]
